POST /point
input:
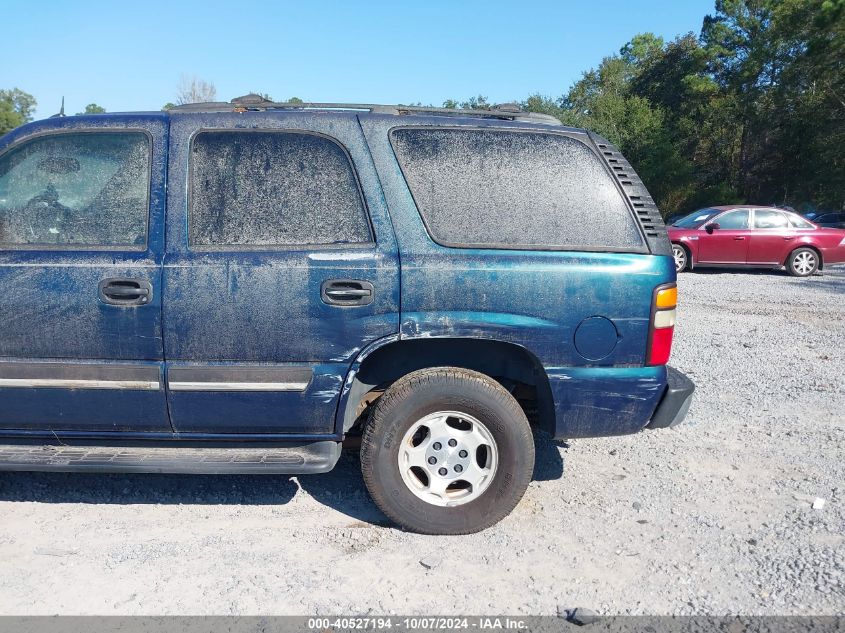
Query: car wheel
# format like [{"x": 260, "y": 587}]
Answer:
[
  {"x": 447, "y": 451},
  {"x": 802, "y": 262},
  {"x": 681, "y": 257}
]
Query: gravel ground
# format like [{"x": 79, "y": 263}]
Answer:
[{"x": 715, "y": 517}]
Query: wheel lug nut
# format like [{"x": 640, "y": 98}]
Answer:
[
  {"x": 437, "y": 446},
  {"x": 443, "y": 471},
  {"x": 458, "y": 468},
  {"x": 462, "y": 453},
  {"x": 453, "y": 442},
  {"x": 432, "y": 460}
]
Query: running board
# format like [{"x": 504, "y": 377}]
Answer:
[{"x": 315, "y": 457}]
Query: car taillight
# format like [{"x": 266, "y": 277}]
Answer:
[{"x": 662, "y": 326}]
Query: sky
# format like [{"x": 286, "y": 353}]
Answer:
[{"x": 131, "y": 55}]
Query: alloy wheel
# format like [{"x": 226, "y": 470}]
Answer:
[
  {"x": 680, "y": 255},
  {"x": 804, "y": 263},
  {"x": 448, "y": 458}
]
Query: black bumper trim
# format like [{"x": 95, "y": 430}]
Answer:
[{"x": 676, "y": 401}]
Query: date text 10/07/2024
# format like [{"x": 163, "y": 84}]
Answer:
[{"x": 373, "y": 623}]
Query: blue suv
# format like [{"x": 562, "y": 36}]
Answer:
[{"x": 240, "y": 287}]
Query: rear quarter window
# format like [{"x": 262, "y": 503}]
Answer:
[
  {"x": 800, "y": 223},
  {"x": 513, "y": 189}
]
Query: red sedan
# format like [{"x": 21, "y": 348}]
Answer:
[{"x": 754, "y": 237}]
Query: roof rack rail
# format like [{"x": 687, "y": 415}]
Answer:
[{"x": 257, "y": 103}]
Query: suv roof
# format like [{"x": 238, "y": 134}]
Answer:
[{"x": 254, "y": 102}]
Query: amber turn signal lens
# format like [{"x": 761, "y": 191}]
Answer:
[{"x": 667, "y": 298}]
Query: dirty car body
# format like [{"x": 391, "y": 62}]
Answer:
[{"x": 234, "y": 288}]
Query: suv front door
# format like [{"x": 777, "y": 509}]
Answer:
[
  {"x": 727, "y": 244},
  {"x": 81, "y": 222},
  {"x": 275, "y": 277}
]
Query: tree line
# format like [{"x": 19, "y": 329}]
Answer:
[{"x": 750, "y": 110}]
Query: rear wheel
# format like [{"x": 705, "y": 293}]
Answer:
[
  {"x": 447, "y": 451},
  {"x": 681, "y": 257},
  {"x": 802, "y": 262}
]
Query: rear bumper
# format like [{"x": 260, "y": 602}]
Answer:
[
  {"x": 604, "y": 401},
  {"x": 675, "y": 403}
]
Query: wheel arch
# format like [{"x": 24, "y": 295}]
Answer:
[
  {"x": 688, "y": 250},
  {"x": 813, "y": 248},
  {"x": 512, "y": 365}
]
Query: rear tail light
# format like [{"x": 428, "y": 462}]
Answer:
[{"x": 662, "y": 326}]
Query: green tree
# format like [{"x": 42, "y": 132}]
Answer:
[
  {"x": 605, "y": 100},
  {"x": 16, "y": 108},
  {"x": 93, "y": 108},
  {"x": 780, "y": 65},
  {"x": 476, "y": 103},
  {"x": 544, "y": 105},
  {"x": 752, "y": 110}
]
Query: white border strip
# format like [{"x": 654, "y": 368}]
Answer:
[
  {"x": 58, "y": 383},
  {"x": 237, "y": 386}
]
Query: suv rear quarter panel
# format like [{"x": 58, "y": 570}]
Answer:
[{"x": 534, "y": 299}]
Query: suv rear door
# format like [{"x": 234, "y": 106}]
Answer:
[
  {"x": 81, "y": 227},
  {"x": 281, "y": 267}
]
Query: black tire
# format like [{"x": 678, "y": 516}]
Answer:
[
  {"x": 681, "y": 256},
  {"x": 802, "y": 262},
  {"x": 427, "y": 391}
]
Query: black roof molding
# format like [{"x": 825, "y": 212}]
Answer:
[{"x": 257, "y": 103}]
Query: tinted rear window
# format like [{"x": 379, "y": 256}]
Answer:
[
  {"x": 513, "y": 189},
  {"x": 273, "y": 188}
]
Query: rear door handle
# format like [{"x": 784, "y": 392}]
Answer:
[
  {"x": 738, "y": 238},
  {"x": 125, "y": 292},
  {"x": 347, "y": 292}
]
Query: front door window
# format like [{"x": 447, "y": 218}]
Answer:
[{"x": 76, "y": 190}]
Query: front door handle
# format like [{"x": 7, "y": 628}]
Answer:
[
  {"x": 125, "y": 292},
  {"x": 738, "y": 238},
  {"x": 347, "y": 292}
]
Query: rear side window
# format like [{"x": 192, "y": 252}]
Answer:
[
  {"x": 76, "y": 190},
  {"x": 513, "y": 189},
  {"x": 765, "y": 219},
  {"x": 273, "y": 189}
]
